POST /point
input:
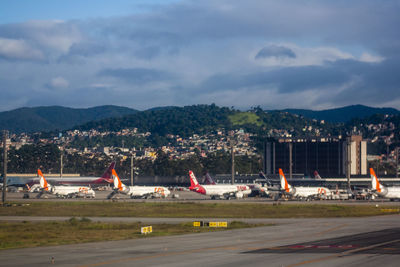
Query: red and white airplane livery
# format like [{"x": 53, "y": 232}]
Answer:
[
  {"x": 138, "y": 191},
  {"x": 220, "y": 191},
  {"x": 303, "y": 192},
  {"x": 392, "y": 192}
]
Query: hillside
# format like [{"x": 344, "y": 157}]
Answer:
[
  {"x": 184, "y": 121},
  {"x": 170, "y": 120},
  {"x": 200, "y": 119},
  {"x": 344, "y": 114},
  {"x": 56, "y": 117}
]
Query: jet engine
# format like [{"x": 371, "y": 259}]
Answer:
[
  {"x": 239, "y": 194},
  {"x": 383, "y": 192}
]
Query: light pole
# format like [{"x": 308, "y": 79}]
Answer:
[
  {"x": 5, "y": 135},
  {"x": 132, "y": 170}
]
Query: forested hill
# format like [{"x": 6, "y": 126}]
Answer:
[
  {"x": 56, "y": 117},
  {"x": 170, "y": 120},
  {"x": 344, "y": 114},
  {"x": 185, "y": 121}
]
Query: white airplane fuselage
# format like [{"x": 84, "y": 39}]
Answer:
[
  {"x": 390, "y": 192},
  {"x": 223, "y": 191},
  {"x": 304, "y": 192},
  {"x": 301, "y": 191},
  {"x": 218, "y": 190},
  {"x": 147, "y": 191},
  {"x": 69, "y": 191}
]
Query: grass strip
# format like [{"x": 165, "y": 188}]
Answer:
[
  {"x": 190, "y": 210},
  {"x": 73, "y": 231}
]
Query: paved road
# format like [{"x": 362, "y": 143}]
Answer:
[{"x": 373, "y": 241}]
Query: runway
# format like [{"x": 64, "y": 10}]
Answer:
[{"x": 371, "y": 241}]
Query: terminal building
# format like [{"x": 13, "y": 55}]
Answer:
[{"x": 329, "y": 156}]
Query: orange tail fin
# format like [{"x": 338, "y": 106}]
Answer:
[
  {"x": 43, "y": 182},
  {"x": 375, "y": 182},
  {"x": 284, "y": 183}
]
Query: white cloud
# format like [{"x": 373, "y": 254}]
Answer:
[
  {"x": 18, "y": 49},
  {"x": 57, "y": 35},
  {"x": 59, "y": 82},
  {"x": 366, "y": 57}
]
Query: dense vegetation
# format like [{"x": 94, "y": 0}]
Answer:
[
  {"x": 344, "y": 114},
  {"x": 47, "y": 157},
  {"x": 200, "y": 119},
  {"x": 55, "y": 117},
  {"x": 183, "y": 121}
]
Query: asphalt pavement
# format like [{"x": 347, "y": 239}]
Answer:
[{"x": 368, "y": 241}]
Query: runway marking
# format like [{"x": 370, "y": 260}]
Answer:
[
  {"x": 331, "y": 229},
  {"x": 167, "y": 254},
  {"x": 157, "y": 255},
  {"x": 345, "y": 253}
]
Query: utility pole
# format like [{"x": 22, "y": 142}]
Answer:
[
  {"x": 132, "y": 170},
  {"x": 397, "y": 162},
  {"x": 5, "y": 135},
  {"x": 233, "y": 162},
  {"x": 61, "y": 163},
  {"x": 290, "y": 160},
  {"x": 348, "y": 162}
]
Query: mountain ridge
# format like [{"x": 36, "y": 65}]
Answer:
[
  {"x": 50, "y": 118},
  {"x": 342, "y": 114}
]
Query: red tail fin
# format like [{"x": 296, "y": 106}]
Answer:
[
  {"x": 316, "y": 175},
  {"x": 107, "y": 174},
  {"x": 193, "y": 180},
  {"x": 209, "y": 180}
]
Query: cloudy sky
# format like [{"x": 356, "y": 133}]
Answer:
[{"x": 242, "y": 53}]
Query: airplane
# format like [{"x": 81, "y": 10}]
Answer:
[
  {"x": 392, "y": 192},
  {"x": 218, "y": 191},
  {"x": 137, "y": 191},
  {"x": 63, "y": 191},
  {"x": 302, "y": 192},
  {"x": 210, "y": 181},
  {"x": 105, "y": 179},
  {"x": 267, "y": 188},
  {"x": 316, "y": 175}
]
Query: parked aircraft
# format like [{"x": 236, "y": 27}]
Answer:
[
  {"x": 137, "y": 191},
  {"x": 316, "y": 175},
  {"x": 64, "y": 191},
  {"x": 210, "y": 181},
  {"x": 105, "y": 179},
  {"x": 302, "y": 191},
  {"x": 392, "y": 192},
  {"x": 225, "y": 191}
]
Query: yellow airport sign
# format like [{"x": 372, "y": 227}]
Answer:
[
  {"x": 197, "y": 224},
  {"x": 146, "y": 230},
  {"x": 210, "y": 224},
  {"x": 223, "y": 224},
  {"x": 213, "y": 224}
]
